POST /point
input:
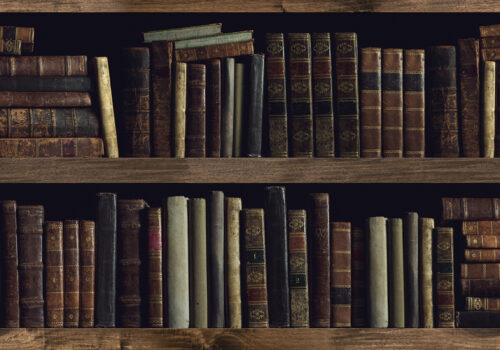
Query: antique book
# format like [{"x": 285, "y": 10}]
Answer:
[
  {"x": 396, "y": 281},
  {"x": 54, "y": 274},
  {"x": 177, "y": 262},
  {"x": 377, "y": 298},
  {"x": 411, "y": 251},
  {"x": 497, "y": 110},
  {"x": 46, "y": 84},
  {"x": 277, "y": 257},
  {"x": 87, "y": 272},
  {"x": 414, "y": 103},
  {"x": 130, "y": 237},
  {"x": 300, "y": 88},
  {"x": 478, "y": 319},
  {"x": 255, "y": 106},
  {"x": 255, "y": 267},
  {"x": 106, "y": 225},
  {"x": 490, "y": 54},
  {"x": 215, "y": 249},
  {"x": 322, "y": 88},
  {"x": 105, "y": 98},
  {"x": 196, "y": 110},
  {"x": 370, "y": 85},
  {"x": 214, "y": 51},
  {"x": 10, "y": 47},
  {"x": 488, "y": 110},
  {"x": 29, "y": 240},
  {"x": 481, "y": 227},
  {"x": 10, "y": 272},
  {"x": 444, "y": 279},
  {"x": 480, "y": 271},
  {"x": 482, "y": 241},
  {"x": 26, "y": 35},
  {"x": 340, "y": 272},
  {"x": 180, "y": 110},
  {"x": 443, "y": 110},
  {"x": 358, "y": 278},
  {"x": 276, "y": 95},
  {"x": 233, "y": 277},
  {"x": 71, "y": 253},
  {"x": 297, "y": 262},
  {"x": 471, "y": 209},
  {"x": 491, "y": 42},
  {"x": 155, "y": 272},
  {"x": 490, "y": 30},
  {"x": 239, "y": 93},
  {"x": 468, "y": 71},
  {"x": 182, "y": 33},
  {"x": 135, "y": 102},
  {"x": 482, "y": 255},
  {"x": 161, "y": 97},
  {"x": 482, "y": 304},
  {"x": 51, "y": 147},
  {"x": 392, "y": 103},
  {"x": 484, "y": 287},
  {"x": 218, "y": 39},
  {"x": 43, "y": 66},
  {"x": 213, "y": 108},
  {"x": 227, "y": 109},
  {"x": 426, "y": 227},
  {"x": 347, "y": 112},
  {"x": 44, "y": 99}
]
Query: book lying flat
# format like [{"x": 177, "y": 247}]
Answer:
[
  {"x": 225, "y": 38},
  {"x": 182, "y": 33}
]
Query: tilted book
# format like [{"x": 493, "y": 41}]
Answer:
[{"x": 214, "y": 51}]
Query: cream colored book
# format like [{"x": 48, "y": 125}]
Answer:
[
  {"x": 489, "y": 109},
  {"x": 233, "y": 277},
  {"x": 180, "y": 110}
]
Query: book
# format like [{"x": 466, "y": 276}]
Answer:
[
  {"x": 482, "y": 304},
  {"x": 426, "y": 227},
  {"x": 227, "y": 109},
  {"x": 43, "y": 66},
  {"x": 358, "y": 278},
  {"x": 10, "y": 47},
  {"x": 276, "y": 95},
  {"x": 135, "y": 102},
  {"x": 497, "y": 111},
  {"x": 444, "y": 279},
  {"x": 213, "y": 108},
  {"x": 26, "y": 35},
  {"x": 155, "y": 271},
  {"x": 54, "y": 274},
  {"x": 51, "y": 147},
  {"x": 46, "y": 84},
  {"x": 87, "y": 272},
  {"x": 255, "y": 106},
  {"x": 300, "y": 88},
  {"x": 340, "y": 272},
  {"x": 490, "y": 42},
  {"x": 480, "y": 271},
  {"x": 470, "y": 209},
  {"x": 44, "y": 99},
  {"x": 480, "y": 227},
  {"x": 482, "y": 255},
  {"x": 322, "y": 87},
  {"x": 71, "y": 253},
  {"x": 8, "y": 226},
  {"x": 396, "y": 273},
  {"x": 411, "y": 252},
  {"x": 484, "y": 287},
  {"x": 490, "y": 54},
  {"x": 218, "y": 39},
  {"x": 182, "y": 33},
  {"x": 180, "y": 110},
  {"x": 488, "y": 110},
  {"x": 239, "y": 115},
  {"x": 215, "y": 246},
  {"x": 482, "y": 241},
  {"x": 370, "y": 85},
  {"x": 214, "y": 51},
  {"x": 233, "y": 266},
  {"x": 478, "y": 319},
  {"x": 490, "y": 30},
  {"x": 196, "y": 111}
]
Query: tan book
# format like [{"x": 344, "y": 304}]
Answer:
[
  {"x": 180, "y": 110},
  {"x": 233, "y": 277},
  {"x": 395, "y": 271},
  {"x": 426, "y": 290},
  {"x": 489, "y": 109}
]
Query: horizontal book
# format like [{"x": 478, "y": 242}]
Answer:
[
  {"x": 482, "y": 304},
  {"x": 478, "y": 319},
  {"x": 226, "y": 38},
  {"x": 491, "y": 30},
  {"x": 481, "y": 227},
  {"x": 51, "y": 147},
  {"x": 490, "y": 54},
  {"x": 46, "y": 84},
  {"x": 44, "y": 99},
  {"x": 490, "y": 42},
  {"x": 482, "y": 241},
  {"x": 482, "y": 255},
  {"x": 479, "y": 271},
  {"x": 183, "y": 33},
  {"x": 470, "y": 209},
  {"x": 26, "y": 35},
  {"x": 480, "y": 287},
  {"x": 214, "y": 51},
  {"x": 43, "y": 66},
  {"x": 10, "y": 47}
]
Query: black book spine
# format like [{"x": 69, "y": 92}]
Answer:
[
  {"x": 411, "y": 270},
  {"x": 477, "y": 319},
  {"x": 46, "y": 84},
  {"x": 256, "y": 105}
]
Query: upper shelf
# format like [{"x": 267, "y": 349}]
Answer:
[{"x": 275, "y": 6}]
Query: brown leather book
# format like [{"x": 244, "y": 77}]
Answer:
[
  {"x": 482, "y": 304},
  {"x": 51, "y": 147},
  {"x": 71, "y": 250},
  {"x": 445, "y": 281},
  {"x": 10, "y": 47},
  {"x": 482, "y": 255},
  {"x": 491, "y": 42},
  {"x": 470, "y": 209},
  {"x": 479, "y": 271},
  {"x": 414, "y": 103},
  {"x": 43, "y": 66},
  {"x": 214, "y": 51},
  {"x": 490, "y": 54},
  {"x": 490, "y": 30},
  {"x": 26, "y": 35},
  {"x": 44, "y": 99},
  {"x": 480, "y": 287},
  {"x": 10, "y": 264},
  {"x": 358, "y": 278},
  {"x": 482, "y": 241},
  {"x": 29, "y": 239},
  {"x": 87, "y": 272},
  {"x": 54, "y": 274},
  {"x": 196, "y": 111},
  {"x": 481, "y": 227},
  {"x": 155, "y": 284},
  {"x": 213, "y": 108},
  {"x": 340, "y": 273}
]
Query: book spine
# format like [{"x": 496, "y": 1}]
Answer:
[
  {"x": 340, "y": 272},
  {"x": 43, "y": 66},
  {"x": 488, "y": 117},
  {"x": 322, "y": 93},
  {"x": 276, "y": 95},
  {"x": 478, "y": 319},
  {"x": 480, "y": 287},
  {"x": 411, "y": 249},
  {"x": 44, "y": 99},
  {"x": 10, "y": 259},
  {"x": 482, "y": 255},
  {"x": 196, "y": 111},
  {"x": 10, "y": 47},
  {"x": 396, "y": 273},
  {"x": 214, "y": 108},
  {"x": 426, "y": 276},
  {"x": 347, "y": 116},
  {"x": 180, "y": 110},
  {"x": 54, "y": 274},
  {"x": 301, "y": 109},
  {"x": 208, "y": 41},
  {"x": 490, "y": 42},
  {"x": 482, "y": 241},
  {"x": 470, "y": 209},
  {"x": 468, "y": 69},
  {"x": 481, "y": 227},
  {"x": 71, "y": 273},
  {"x": 497, "y": 111},
  {"x": 216, "y": 260},
  {"x": 255, "y": 106},
  {"x": 155, "y": 280},
  {"x": 445, "y": 282},
  {"x": 51, "y": 147},
  {"x": 233, "y": 265},
  {"x": 227, "y": 114},
  {"x": 358, "y": 278},
  {"x": 105, "y": 98},
  {"x": 392, "y": 103},
  {"x": 297, "y": 262},
  {"x": 277, "y": 257},
  {"x": 161, "y": 97},
  {"x": 135, "y": 102},
  {"x": 45, "y": 84},
  {"x": 490, "y": 54},
  {"x": 414, "y": 103},
  {"x": 255, "y": 268},
  {"x": 214, "y": 51},
  {"x": 482, "y": 304},
  {"x": 480, "y": 271},
  {"x": 26, "y": 35},
  {"x": 443, "y": 109},
  {"x": 491, "y": 30},
  {"x": 239, "y": 89},
  {"x": 87, "y": 272},
  {"x": 371, "y": 102},
  {"x": 183, "y": 33}
]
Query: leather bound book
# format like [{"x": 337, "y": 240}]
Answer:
[
  {"x": 324, "y": 145},
  {"x": 426, "y": 227},
  {"x": 445, "y": 282},
  {"x": 468, "y": 71},
  {"x": 482, "y": 255},
  {"x": 10, "y": 47},
  {"x": 196, "y": 110},
  {"x": 180, "y": 110},
  {"x": 26, "y": 35},
  {"x": 43, "y": 66},
  {"x": 480, "y": 271},
  {"x": 478, "y": 319},
  {"x": 370, "y": 86},
  {"x": 54, "y": 274},
  {"x": 255, "y": 267},
  {"x": 87, "y": 272},
  {"x": 470, "y": 209},
  {"x": 10, "y": 264},
  {"x": 347, "y": 113},
  {"x": 29, "y": 239},
  {"x": 414, "y": 103},
  {"x": 46, "y": 84},
  {"x": 233, "y": 265},
  {"x": 227, "y": 111},
  {"x": 396, "y": 273},
  {"x": 392, "y": 103},
  {"x": 482, "y": 241},
  {"x": 239, "y": 105},
  {"x": 443, "y": 96},
  {"x": 130, "y": 238},
  {"x": 71, "y": 252},
  {"x": 412, "y": 289},
  {"x": 106, "y": 226},
  {"x": 482, "y": 304},
  {"x": 214, "y": 51},
  {"x": 490, "y": 30},
  {"x": 135, "y": 106},
  {"x": 155, "y": 283},
  {"x": 276, "y": 95},
  {"x": 301, "y": 109},
  {"x": 340, "y": 271},
  {"x": 319, "y": 249},
  {"x": 216, "y": 261},
  {"x": 358, "y": 278},
  {"x": 297, "y": 262},
  {"x": 277, "y": 257},
  {"x": 161, "y": 97},
  {"x": 497, "y": 110},
  {"x": 481, "y": 227},
  {"x": 490, "y": 54},
  {"x": 490, "y": 42},
  {"x": 488, "y": 110},
  {"x": 51, "y": 147},
  {"x": 213, "y": 108},
  {"x": 255, "y": 106},
  {"x": 44, "y": 99},
  {"x": 484, "y": 287}
]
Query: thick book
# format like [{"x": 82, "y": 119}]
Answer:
[
  {"x": 71, "y": 253},
  {"x": 358, "y": 278},
  {"x": 477, "y": 319},
  {"x": 10, "y": 47},
  {"x": 480, "y": 271},
  {"x": 488, "y": 110},
  {"x": 411, "y": 251},
  {"x": 443, "y": 109},
  {"x": 444, "y": 279},
  {"x": 213, "y": 108},
  {"x": 340, "y": 272},
  {"x": 370, "y": 95},
  {"x": 43, "y": 66},
  {"x": 426, "y": 227},
  {"x": 482, "y": 241},
  {"x": 470, "y": 209},
  {"x": 44, "y": 99},
  {"x": 51, "y": 147},
  {"x": 277, "y": 257},
  {"x": 219, "y": 39},
  {"x": 300, "y": 87},
  {"x": 26, "y": 35},
  {"x": 10, "y": 273},
  {"x": 46, "y": 84},
  {"x": 396, "y": 273},
  {"x": 482, "y": 304},
  {"x": 491, "y": 42},
  {"x": 87, "y": 272},
  {"x": 240, "y": 103},
  {"x": 255, "y": 267},
  {"x": 482, "y": 255},
  {"x": 484, "y": 287},
  {"x": 214, "y": 51},
  {"x": 481, "y": 227},
  {"x": 227, "y": 109},
  {"x": 233, "y": 265},
  {"x": 196, "y": 110},
  {"x": 297, "y": 262},
  {"x": 180, "y": 110},
  {"x": 30, "y": 241},
  {"x": 54, "y": 274},
  {"x": 155, "y": 271},
  {"x": 322, "y": 87},
  {"x": 255, "y": 106},
  {"x": 490, "y": 30},
  {"x": 135, "y": 102},
  {"x": 276, "y": 95},
  {"x": 216, "y": 259},
  {"x": 182, "y": 33}
]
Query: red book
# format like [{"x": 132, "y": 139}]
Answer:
[{"x": 486, "y": 271}]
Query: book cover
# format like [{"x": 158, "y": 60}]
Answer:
[
  {"x": 340, "y": 272},
  {"x": 233, "y": 265},
  {"x": 227, "y": 111},
  {"x": 445, "y": 281},
  {"x": 215, "y": 246},
  {"x": 43, "y": 66},
  {"x": 488, "y": 110},
  {"x": 87, "y": 272},
  {"x": 426, "y": 227},
  {"x": 155, "y": 269},
  {"x": 358, "y": 278},
  {"x": 255, "y": 106},
  {"x": 71, "y": 253},
  {"x": 51, "y": 147},
  {"x": 196, "y": 111},
  {"x": 396, "y": 273},
  {"x": 10, "y": 272},
  {"x": 180, "y": 110},
  {"x": 470, "y": 209},
  {"x": 54, "y": 274},
  {"x": 214, "y": 108}
]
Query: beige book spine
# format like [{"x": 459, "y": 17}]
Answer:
[
  {"x": 426, "y": 292},
  {"x": 180, "y": 110},
  {"x": 233, "y": 209},
  {"x": 489, "y": 109}
]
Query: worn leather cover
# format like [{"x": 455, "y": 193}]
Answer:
[
  {"x": 233, "y": 264},
  {"x": 214, "y": 51},
  {"x": 216, "y": 259},
  {"x": 51, "y": 147},
  {"x": 358, "y": 278},
  {"x": 44, "y": 99},
  {"x": 10, "y": 264},
  {"x": 392, "y": 103},
  {"x": 46, "y": 84},
  {"x": 155, "y": 275},
  {"x": 43, "y": 66},
  {"x": 482, "y": 304},
  {"x": 414, "y": 103},
  {"x": 492, "y": 42},
  {"x": 340, "y": 272},
  {"x": 87, "y": 272},
  {"x": 31, "y": 298},
  {"x": 482, "y": 255},
  {"x": 480, "y": 287},
  {"x": 180, "y": 110},
  {"x": 488, "y": 110},
  {"x": 482, "y": 241},
  {"x": 490, "y": 54},
  {"x": 71, "y": 252},
  {"x": 445, "y": 281},
  {"x": 196, "y": 110},
  {"x": 490, "y": 30},
  {"x": 213, "y": 108},
  {"x": 472, "y": 209},
  {"x": 26, "y": 35},
  {"x": 481, "y": 227},
  {"x": 227, "y": 111},
  {"x": 277, "y": 257},
  {"x": 10, "y": 47},
  {"x": 255, "y": 106},
  {"x": 477, "y": 319},
  {"x": 426, "y": 226},
  {"x": 240, "y": 103},
  {"x": 54, "y": 274},
  {"x": 396, "y": 273},
  {"x": 412, "y": 289},
  {"x": 479, "y": 271}
]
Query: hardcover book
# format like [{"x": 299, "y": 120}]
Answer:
[
  {"x": 10, "y": 47},
  {"x": 445, "y": 282},
  {"x": 480, "y": 271},
  {"x": 87, "y": 272},
  {"x": 227, "y": 114},
  {"x": 482, "y": 255},
  {"x": 358, "y": 278},
  {"x": 340, "y": 272},
  {"x": 482, "y": 241},
  {"x": 26, "y": 35},
  {"x": 54, "y": 274},
  {"x": 484, "y": 287},
  {"x": 214, "y": 108},
  {"x": 488, "y": 110},
  {"x": 180, "y": 110},
  {"x": 255, "y": 106},
  {"x": 71, "y": 252},
  {"x": 155, "y": 269},
  {"x": 478, "y": 319},
  {"x": 215, "y": 246},
  {"x": 51, "y": 147},
  {"x": 196, "y": 111},
  {"x": 182, "y": 33},
  {"x": 46, "y": 84},
  {"x": 412, "y": 288},
  {"x": 44, "y": 99},
  {"x": 239, "y": 101},
  {"x": 426, "y": 227},
  {"x": 206, "y": 52},
  {"x": 470, "y": 209},
  {"x": 233, "y": 265},
  {"x": 396, "y": 273},
  {"x": 480, "y": 227},
  {"x": 10, "y": 263},
  {"x": 482, "y": 304},
  {"x": 43, "y": 66}
]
